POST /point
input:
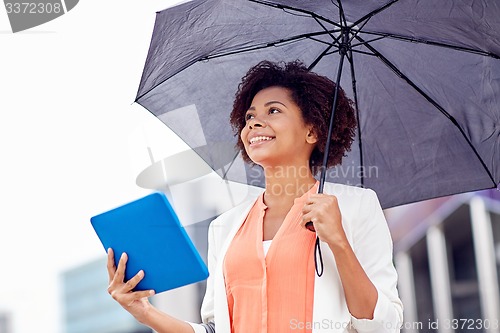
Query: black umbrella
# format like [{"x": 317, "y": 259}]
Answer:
[{"x": 424, "y": 76}]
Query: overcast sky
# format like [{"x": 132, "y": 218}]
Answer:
[{"x": 72, "y": 143}]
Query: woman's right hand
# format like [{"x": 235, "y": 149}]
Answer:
[{"x": 135, "y": 302}]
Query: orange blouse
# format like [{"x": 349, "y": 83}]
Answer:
[{"x": 271, "y": 293}]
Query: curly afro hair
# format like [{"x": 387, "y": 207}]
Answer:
[{"x": 313, "y": 94}]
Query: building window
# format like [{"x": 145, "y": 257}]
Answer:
[
  {"x": 495, "y": 227},
  {"x": 423, "y": 290},
  {"x": 462, "y": 266}
]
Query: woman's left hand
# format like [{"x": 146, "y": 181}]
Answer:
[{"x": 323, "y": 211}]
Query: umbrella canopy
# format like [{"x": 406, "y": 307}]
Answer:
[{"x": 424, "y": 76}]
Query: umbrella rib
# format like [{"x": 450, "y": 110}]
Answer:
[
  {"x": 356, "y": 105},
  {"x": 363, "y": 52},
  {"x": 335, "y": 39},
  {"x": 393, "y": 67},
  {"x": 333, "y": 52},
  {"x": 317, "y": 60},
  {"x": 263, "y": 46},
  {"x": 357, "y": 30},
  {"x": 356, "y": 51},
  {"x": 311, "y": 14},
  {"x": 156, "y": 85},
  {"x": 376, "y": 11},
  {"x": 342, "y": 19},
  {"x": 369, "y": 41},
  {"x": 320, "y": 41},
  {"x": 429, "y": 42}
]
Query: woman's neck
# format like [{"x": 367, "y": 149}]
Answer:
[{"x": 285, "y": 183}]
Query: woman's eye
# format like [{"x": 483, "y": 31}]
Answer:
[
  {"x": 273, "y": 110},
  {"x": 248, "y": 116}
]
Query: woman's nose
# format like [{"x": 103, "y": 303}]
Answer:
[{"x": 256, "y": 122}]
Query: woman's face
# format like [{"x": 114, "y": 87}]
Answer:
[{"x": 275, "y": 133}]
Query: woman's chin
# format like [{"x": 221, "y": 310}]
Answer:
[{"x": 268, "y": 162}]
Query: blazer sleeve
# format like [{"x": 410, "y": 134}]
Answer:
[{"x": 372, "y": 244}]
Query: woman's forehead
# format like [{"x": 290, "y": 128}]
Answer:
[{"x": 274, "y": 93}]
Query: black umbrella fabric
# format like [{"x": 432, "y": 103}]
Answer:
[{"x": 424, "y": 76}]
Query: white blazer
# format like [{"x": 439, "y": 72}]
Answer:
[{"x": 367, "y": 231}]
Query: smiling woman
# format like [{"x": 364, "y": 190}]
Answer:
[
  {"x": 273, "y": 124},
  {"x": 308, "y": 92},
  {"x": 261, "y": 255}
]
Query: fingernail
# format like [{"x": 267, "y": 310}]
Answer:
[{"x": 151, "y": 292}]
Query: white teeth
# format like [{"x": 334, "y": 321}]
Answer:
[{"x": 260, "y": 138}]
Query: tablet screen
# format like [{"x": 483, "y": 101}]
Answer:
[{"x": 149, "y": 231}]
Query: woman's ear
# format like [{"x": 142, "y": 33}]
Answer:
[{"x": 311, "y": 136}]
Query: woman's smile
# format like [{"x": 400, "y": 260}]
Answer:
[{"x": 260, "y": 140}]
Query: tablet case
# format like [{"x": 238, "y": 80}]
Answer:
[{"x": 149, "y": 231}]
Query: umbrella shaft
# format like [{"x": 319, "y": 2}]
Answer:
[
  {"x": 330, "y": 127},
  {"x": 309, "y": 225}
]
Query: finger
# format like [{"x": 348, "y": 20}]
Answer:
[
  {"x": 321, "y": 197},
  {"x": 129, "y": 298},
  {"x": 309, "y": 217},
  {"x": 315, "y": 197},
  {"x": 145, "y": 293},
  {"x": 326, "y": 198},
  {"x": 111, "y": 265},
  {"x": 310, "y": 200},
  {"x": 134, "y": 281},
  {"x": 120, "y": 271},
  {"x": 307, "y": 208}
]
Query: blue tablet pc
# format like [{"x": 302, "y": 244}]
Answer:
[{"x": 149, "y": 231}]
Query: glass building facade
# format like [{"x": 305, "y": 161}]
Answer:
[
  {"x": 448, "y": 260},
  {"x": 87, "y": 305}
]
